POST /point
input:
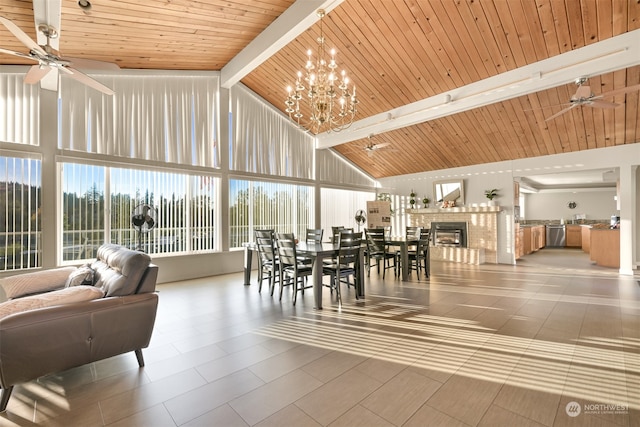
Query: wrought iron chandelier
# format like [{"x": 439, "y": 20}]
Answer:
[{"x": 332, "y": 104}]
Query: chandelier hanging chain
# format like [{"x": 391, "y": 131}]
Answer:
[{"x": 327, "y": 96}]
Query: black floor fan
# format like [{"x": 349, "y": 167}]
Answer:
[{"x": 143, "y": 220}]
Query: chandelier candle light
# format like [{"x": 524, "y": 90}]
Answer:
[{"x": 332, "y": 105}]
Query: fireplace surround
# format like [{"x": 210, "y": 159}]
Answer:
[
  {"x": 450, "y": 234},
  {"x": 481, "y": 233}
]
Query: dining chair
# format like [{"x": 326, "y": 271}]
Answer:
[
  {"x": 268, "y": 267},
  {"x": 346, "y": 263},
  {"x": 411, "y": 234},
  {"x": 418, "y": 257},
  {"x": 292, "y": 270},
  {"x": 335, "y": 233},
  {"x": 378, "y": 250},
  {"x": 314, "y": 235}
]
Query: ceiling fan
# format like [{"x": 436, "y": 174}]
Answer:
[
  {"x": 371, "y": 147},
  {"x": 50, "y": 63},
  {"x": 584, "y": 96}
]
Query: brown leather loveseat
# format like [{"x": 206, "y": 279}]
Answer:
[{"x": 111, "y": 310}]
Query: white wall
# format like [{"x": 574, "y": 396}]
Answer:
[{"x": 596, "y": 205}]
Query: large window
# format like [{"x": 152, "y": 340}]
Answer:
[
  {"x": 339, "y": 208},
  {"x": 255, "y": 205},
  {"x": 20, "y": 200},
  {"x": 154, "y": 211}
]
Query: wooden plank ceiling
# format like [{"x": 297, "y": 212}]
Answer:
[{"x": 397, "y": 52}]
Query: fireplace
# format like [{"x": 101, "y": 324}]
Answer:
[{"x": 449, "y": 234}]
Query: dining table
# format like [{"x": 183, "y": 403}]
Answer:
[{"x": 318, "y": 252}]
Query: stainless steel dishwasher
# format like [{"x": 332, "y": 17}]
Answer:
[{"x": 556, "y": 236}]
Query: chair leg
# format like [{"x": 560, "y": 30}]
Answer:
[{"x": 5, "y": 394}]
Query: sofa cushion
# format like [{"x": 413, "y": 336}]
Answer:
[
  {"x": 33, "y": 283},
  {"x": 48, "y": 299},
  {"x": 83, "y": 275},
  {"x": 118, "y": 270}
]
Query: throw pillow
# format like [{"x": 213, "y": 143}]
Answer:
[
  {"x": 63, "y": 296},
  {"x": 82, "y": 276},
  {"x": 35, "y": 282}
]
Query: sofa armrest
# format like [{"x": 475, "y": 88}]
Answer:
[
  {"x": 72, "y": 335},
  {"x": 34, "y": 282}
]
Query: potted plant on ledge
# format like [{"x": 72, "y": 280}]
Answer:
[
  {"x": 425, "y": 202},
  {"x": 491, "y": 194},
  {"x": 412, "y": 199}
]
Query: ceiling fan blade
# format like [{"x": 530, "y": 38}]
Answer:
[
  {"x": 83, "y": 78},
  {"x": 50, "y": 81},
  {"x": 22, "y": 36},
  {"x": 381, "y": 145},
  {"x": 559, "y": 113},
  {"x": 36, "y": 73},
  {"x": 91, "y": 64},
  {"x": 582, "y": 92},
  {"x": 602, "y": 104},
  {"x": 20, "y": 54},
  {"x": 619, "y": 91}
]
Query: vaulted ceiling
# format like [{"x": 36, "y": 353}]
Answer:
[{"x": 444, "y": 83}]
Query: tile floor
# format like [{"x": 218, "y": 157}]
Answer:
[{"x": 553, "y": 341}]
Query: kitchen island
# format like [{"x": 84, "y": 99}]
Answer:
[{"x": 604, "y": 246}]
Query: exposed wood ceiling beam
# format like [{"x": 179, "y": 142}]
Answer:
[
  {"x": 294, "y": 21},
  {"x": 612, "y": 54}
]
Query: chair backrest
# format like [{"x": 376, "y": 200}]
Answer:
[
  {"x": 335, "y": 233},
  {"x": 412, "y": 233},
  {"x": 423, "y": 242},
  {"x": 349, "y": 247},
  {"x": 376, "y": 241},
  {"x": 286, "y": 244},
  {"x": 265, "y": 244},
  {"x": 314, "y": 235}
]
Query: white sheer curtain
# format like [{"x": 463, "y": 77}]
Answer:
[
  {"x": 334, "y": 169},
  {"x": 266, "y": 142},
  {"x": 19, "y": 110},
  {"x": 166, "y": 118}
]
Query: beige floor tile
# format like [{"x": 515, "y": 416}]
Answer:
[
  {"x": 429, "y": 416},
  {"x": 360, "y": 417},
  {"x": 270, "y": 398},
  {"x": 291, "y": 416},
  {"x": 230, "y": 363},
  {"x": 287, "y": 361},
  {"x": 221, "y": 416},
  {"x": 331, "y": 365},
  {"x": 183, "y": 361},
  {"x": 148, "y": 395},
  {"x": 335, "y": 398},
  {"x": 380, "y": 370},
  {"x": 156, "y": 416},
  {"x": 464, "y": 398},
  {"x": 198, "y": 401},
  {"x": 500, "y": 417},
  {"x": 398, "y": 399},
  {"x": 535, "y": 405}
]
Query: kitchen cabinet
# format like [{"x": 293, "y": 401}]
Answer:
[
  {"x": 574, "y": 236},
  {"x": 534, "y": 238},
  {"x": 605, "y": 247}
]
